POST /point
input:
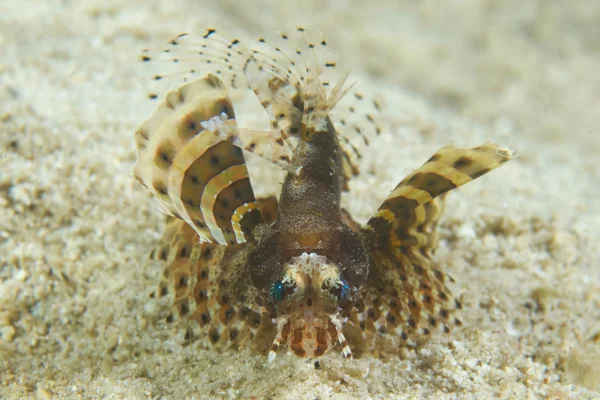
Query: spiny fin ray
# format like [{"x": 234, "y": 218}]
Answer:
[
  {"x": 289, "y": 74},
  {"x": 207, "y": 287},
  {"x": 406, "y": 294}
]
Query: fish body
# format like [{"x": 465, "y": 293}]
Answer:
[{"x": 296, "y": 272}]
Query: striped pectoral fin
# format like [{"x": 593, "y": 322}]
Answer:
[
  {"x": 212, "y": 192},
  {"x": 410, "y": 212},
  {"x": 187, "y": 158},
  {"x": 180, "y": 249},
  {"x": 235, "y": 318},
  {"x": 208, "y": 286},
  {"x": 405, "y": 298},
  {"x": 193, "y": 279},
  {"x": 189, "y": 282},
  {"x": 222, "y": 304},
  {"x": 406, "y": 292},
  {"x": 428, "y": 228},
  {"x": 177, "y": 240},
  {"x": 448, "y": 169}
]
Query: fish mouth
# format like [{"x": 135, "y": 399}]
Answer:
[
  {"x": 309, "y": 336},
  {"x": 308, "y": 319}
]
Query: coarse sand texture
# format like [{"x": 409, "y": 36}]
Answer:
[{"x": 76, "y": 229}]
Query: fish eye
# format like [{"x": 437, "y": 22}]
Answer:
[
  {"x": 277, "y": 291},
  {"x": 345, "y": 289},
  {"x": 340, "y": 291}
]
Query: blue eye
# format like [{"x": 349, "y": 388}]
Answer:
[
  {"x": 345, "y": 288},
  {"x": 277, "y": 291}
]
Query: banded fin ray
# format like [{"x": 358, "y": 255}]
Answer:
[
  {"x": 406, "y": 293},
  {"x": 281, "y": 70},
  {"x": 207, "y": 288},
  {"x": 194, "y": 173},
  {"x": 447, "y": 169}
]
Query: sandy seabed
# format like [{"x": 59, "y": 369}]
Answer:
[{"x": 76, "y": 229}]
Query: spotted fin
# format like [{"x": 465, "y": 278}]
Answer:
[
  {"x": 447, "y": 169},
  {"x": 357, "y": 122},
  {"x": 406, "y": 293},
  {"x": 194, "y": 173},
  {"x": 210, "y": 289},
  {"x": 306, "y": 86},
  {"x": 291, "y": 74}
]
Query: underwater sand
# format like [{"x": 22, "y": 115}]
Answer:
[{"x": 522, "y": 242}]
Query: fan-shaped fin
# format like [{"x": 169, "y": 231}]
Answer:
[
  {"x": 447, "y": 169},
  {"x": 406, "y": 292},
  {"x": 209, "y": 288},
  {"x": 195, "y": 174},
  {"x": 293, "y": 75}
]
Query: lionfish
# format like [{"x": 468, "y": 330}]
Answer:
[{"x": 297, "y": 272}]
